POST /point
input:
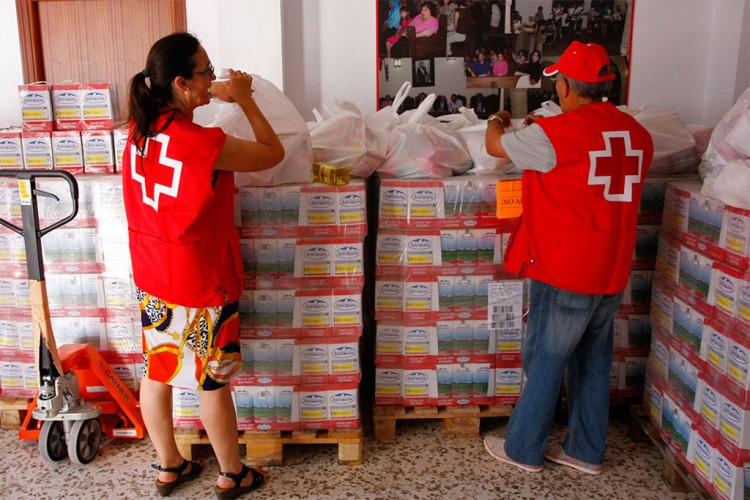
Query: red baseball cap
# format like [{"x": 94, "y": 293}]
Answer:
[{"x": 582, "y": 62}]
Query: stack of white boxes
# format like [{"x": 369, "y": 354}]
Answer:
[
  {"x": 301, "y": 311},
  {"x": 449, "y": 320},
  {"x": 88, "y": 280},
  {"x": 65, "y": 126},
  {"x": 698, "y": 378}
]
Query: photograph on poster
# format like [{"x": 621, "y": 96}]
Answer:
[
  {"x": 423, "y": 73},
  {"x": 493, "y": 52}
]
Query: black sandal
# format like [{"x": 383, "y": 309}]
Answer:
[
  {"x": 238, "y": 489},
  {"x": 165, "y": 489}
]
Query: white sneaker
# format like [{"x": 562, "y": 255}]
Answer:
[
  {"x": 556, "y": 454},
  {"x": 495, "y": 446}
]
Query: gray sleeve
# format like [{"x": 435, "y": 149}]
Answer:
[{"x": 530, "y": 149}]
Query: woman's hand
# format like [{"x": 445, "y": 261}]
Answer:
[
  {"x": 236, "y": 89},
  {"x": 531, "y": 118}
]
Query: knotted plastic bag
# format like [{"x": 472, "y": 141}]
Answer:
[
  {"x": 422, "y": 147},
  {"x": 286, "y": 121},
  {"x": 725, "y": 167}
]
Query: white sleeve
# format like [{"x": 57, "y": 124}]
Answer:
[{"x": 530, "y": 149}]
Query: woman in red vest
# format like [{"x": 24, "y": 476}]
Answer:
[{"x": 178, "y": 188}]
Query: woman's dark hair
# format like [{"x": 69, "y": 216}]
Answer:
[
  {"x": 169, "y": 57},
  {"x": 431, "y": 6}
]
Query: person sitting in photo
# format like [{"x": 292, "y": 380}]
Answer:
[
  {"x": 500, "y": 68},
  {"x": 400, "y": 32},
  {"x": 480, "y": 67}
]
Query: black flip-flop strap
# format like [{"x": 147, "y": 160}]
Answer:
[{"x": 175, "y": 470}]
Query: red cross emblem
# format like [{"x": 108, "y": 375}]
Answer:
[
  {"x": 616, "y": 168},
  {"x": 164, "y": 176}
]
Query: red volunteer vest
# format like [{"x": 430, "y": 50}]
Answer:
[
  {"x": 183, "y": 242},
  {"x": 578, "y": 227}
]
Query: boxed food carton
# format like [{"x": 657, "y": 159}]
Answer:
[
  {"x": 11, "y": 149},
  {"x": 37, "y": 150},
  {"x": 68, "y": 106},
  {"x": 67, "y": 151},
  {"x": 98, "y": 153},
  {"x": 36, "y": 107},
  {"x": 96, "y": 106}
]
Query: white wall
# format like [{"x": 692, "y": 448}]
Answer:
[
  {"x": 330, "y": 52},
  {"x": 686, "y": 55},
  {"x": 689, "y": 55}
]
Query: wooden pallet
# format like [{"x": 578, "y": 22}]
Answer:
[
  {"x": 266, "y": 447},
  {"x": 12, "y": 412},
  {"x": 641, "y": 429},
  {"x": 458, "y": 421}
]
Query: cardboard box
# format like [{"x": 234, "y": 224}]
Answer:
[
  {"x": 68, "y": 106},
  {"x": 96, "y": 106},
  {"x": 37, "y": 150},
  {"x": 98, "y": 152},
  {"x": 36, "y": 107},
  {"x": 67, "y": 151},
  {"x": 11, "y": 149}
]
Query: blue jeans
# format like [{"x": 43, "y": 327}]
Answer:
[{"x": 573, "y": 331}]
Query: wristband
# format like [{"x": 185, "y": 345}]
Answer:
[{"x": 493, "y": 118}]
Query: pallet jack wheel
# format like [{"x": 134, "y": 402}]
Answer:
[
  {"x": 52, "y": 445},
  {"x": 85, "y": 438}
]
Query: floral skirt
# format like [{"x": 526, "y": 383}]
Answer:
[{"x": 194, "y": 348}]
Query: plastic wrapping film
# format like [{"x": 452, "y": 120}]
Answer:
[
  {"x": 701, "y": 319},
  {"x": 88, "y": 281}
]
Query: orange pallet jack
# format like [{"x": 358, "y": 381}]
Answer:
[{"x": 80, "y": 396}]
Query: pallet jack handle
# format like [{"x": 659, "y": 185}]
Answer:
[{"x": 48, "y": 359}]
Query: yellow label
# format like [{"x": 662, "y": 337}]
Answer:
[
  {"x": 702, "y": 466},
  {"x": 509, "y": 199},
  {"x": 389, "y": 258},
  {"x": 97, "y": 158},
  {"x": 724, "y": 302},
  {"x": 416, "y": 391},
  {"x": 351, "y": 217},
  {"x": 388, "y": 304},
  {"x": 714, "y": 359},
  {"x": 388, "y": 390},
  {"x": 63, "y": 113},
  {"x": 348, "y": 367},
  {"x": 67, "y": 160},
  {"x": 34, "y": 114},
  {"x": 736, "y": 244},
  {"x": 321, "y": 218},
  {"x": 722, "y": 485},
  {"x": 315, "y": 321},
  {"x": 38, "y": 162},
  {"x": 423, "y": 212},
  {"x": 10, "y": 162},
  {"x": 314, "y": 367},
  {"x": 389, "y": 348},
  {"x": 736, "y": 373},
  {"x": 393, "y": 211},
  {"x": 348, "y": 319},
  {"x": 313, "y": 414},
  {"x": 509, "y": 346},
  {"x": 24, "y": 191},
  {"x": 417, "y": 305},
  {"x": 343, "y": 413},
  {"x": 96, "y": 113},
  {"x": 709, "y": 414},
  {"x": 416, "y": 349},
  {"x": 506, "y": 389},
  {"x": 420, "y": 259},
  {"x": 317, "y": 270},
  {"x": 729, "y": 431},
  {"x": 744, "y": 312},
  {"x": 348, "y": 269}
]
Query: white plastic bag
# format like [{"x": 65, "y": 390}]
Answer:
[
  {"x": 380, "y": 123},
  {"x": 472, "y": 130},
  {"x": 422, "y": 147},
  {"x": 296, "y": 167},
  {"x": 725, "y": 167},
  {"x": 675, "y": 150},
  {"x": 342, "y": 138}
]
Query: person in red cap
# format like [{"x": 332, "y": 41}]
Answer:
[{"x": 583, "y": 173}]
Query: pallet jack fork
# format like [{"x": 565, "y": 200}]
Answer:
[{"x": 59, "y": 417}]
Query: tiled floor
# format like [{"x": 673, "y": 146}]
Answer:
[{"x": 420, "y": 464}]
